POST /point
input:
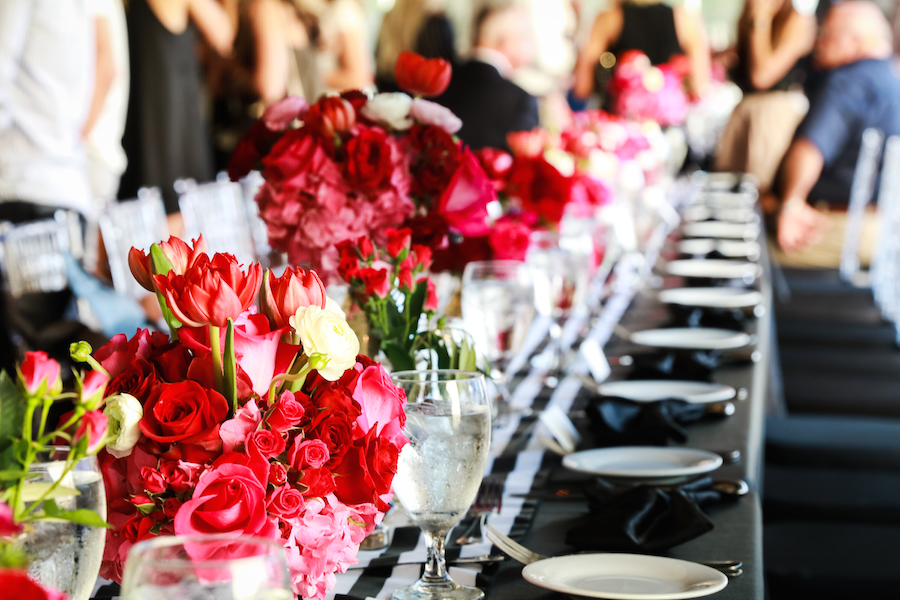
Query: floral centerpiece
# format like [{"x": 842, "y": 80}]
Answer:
[
  {"x": 350, "y": 166},
  {"x": 246, "y": 421},
  {"x": 642, "y": 92}
]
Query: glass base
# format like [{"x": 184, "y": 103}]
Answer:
[{"x": 443, "y": 589}]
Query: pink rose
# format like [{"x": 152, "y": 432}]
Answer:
[
  {"x": 509, "y": 239},
  {"x": 464, "y": 203},
  {"x": 227, "y": 500},
  {"x": 235, "y": 430},
  {"x": 93, "y": 428},
  {"x": 264, "y": 443},
  {"x": 382, "y": 406},
  {"x": 431, "y": 298},
  {"x": 93, "y": 387},
  {"x": 286, "y": 502},
  {"x": 432, "y": 113},
  {"x": 39, "y": 374},
  {"x": 152, "y": 480},
  {"x": 281, "y": 114},
  {"x": 308, "y": 453},
  {"x": 286, "y": 414}
]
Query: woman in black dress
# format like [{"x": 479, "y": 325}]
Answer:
[
  {"x": 165, "y": 133},
  {"x": 654, "y": 28}
]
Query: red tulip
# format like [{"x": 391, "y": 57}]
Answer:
[
  {"x": 39, "y": 374},
  {"x": 398, "y": 240},
  {"x": 211, "y": 291},
  {"x": 280, "y": 297},
  {"x": 421, "y": 76},
  {"x": 179, "y": 254},
  {"x": 331, "y": 115},
  {"x": 527, "y": 144}
]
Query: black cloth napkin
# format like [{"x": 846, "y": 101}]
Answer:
[
  {"x": 718, "y": 318},
  {"x": 621, "y": 422},
  {"x": 643, "y": 518},
  {"x": 690, "y": 365}
]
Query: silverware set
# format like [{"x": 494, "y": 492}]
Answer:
[{"x": 488, "y": 500}]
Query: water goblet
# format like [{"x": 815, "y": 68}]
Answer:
[
  {"x": 206, "y": 567},
  {"x": 448, "y": 423},
  {"x": 560, "y": 266}
]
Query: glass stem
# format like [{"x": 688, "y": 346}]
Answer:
[{"x": 436, "y": 566}]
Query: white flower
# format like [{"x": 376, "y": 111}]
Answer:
[
  {"x": 332, "y": 305},
  {"x": 561, "y": 160},
  {"x": 432, "y": 113},
  {"x": 327, "y": 340},
  {"x": 390, "y": 109},
  {"x": 124, "y": 412}
]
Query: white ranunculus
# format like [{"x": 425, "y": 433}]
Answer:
[
  {"x": 327, "y": 340},
  {"x": 390, "y": 109},
  {"x": 124, "y": 412}
]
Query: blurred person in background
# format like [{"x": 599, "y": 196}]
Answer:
[
  {"x": 344, "y": 59},
  {"x": 654, "y": 28},
  {"x": 418, "y": 26},
  {"x": 165, "y": 132},
  {"x": 480, "y": 91},
  {"x": 860, "y": 90},
  {"x": 773, "y": 40}
]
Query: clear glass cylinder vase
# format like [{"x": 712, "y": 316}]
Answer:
[{"x": 65, "y": 555}]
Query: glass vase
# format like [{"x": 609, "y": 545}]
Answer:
[{"x": 67, "y": 556}]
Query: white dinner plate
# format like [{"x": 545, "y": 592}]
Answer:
[
  {"x": 722, "y": 181},
  {"x": 721, "y": 229},
  {"x": 719, "y": 200},
  {"x": 691, "y": 338},
  {"x": 625, "y": 577},
  {"x": 712, "y": 297},
  {"x": 653, "y": 390},
  {"x": 643, "y": 463},
  {"x": 716, "y": 268},
  {"x": 729, "y": 248},
  {"x": 698, "y": 213}
]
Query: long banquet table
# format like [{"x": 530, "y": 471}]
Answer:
[{"x": 541, "y": 524}]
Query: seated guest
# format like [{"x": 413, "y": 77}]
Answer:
[
  {"x": 860, "y": 90},
  {"x": 480, "y": 92},
  {"x": 654, "y": 28}
]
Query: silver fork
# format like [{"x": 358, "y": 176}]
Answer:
[
  {"x": 488, "y": 500},
  {"x": 520, "y": 553}
]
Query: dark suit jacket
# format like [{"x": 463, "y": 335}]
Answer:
[{"x": 489, "y": 105}]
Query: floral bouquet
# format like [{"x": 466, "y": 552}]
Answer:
[
  {"x": 14, "y": 579},
  {"x": 643, "y": 92},
  {"x": 246, "y": 421},
  {"x": 351, "y": 166}
]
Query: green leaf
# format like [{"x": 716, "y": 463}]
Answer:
[
  {"x": 82, "y": 516},
  {"x": 11, "y": 474},
  {"x": 396, "y": 321},
  {"x": 416, "y": 302},
  {"x": 468, "y": 360},
  {"x": 31, "y": 492},
  {"x": 445, "y": 361},
  {"x": 12, "y": 412},
  {"x": 230, "y": 367},
  {"x": 399, "y": 357}
]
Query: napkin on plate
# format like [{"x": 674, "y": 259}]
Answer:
[
  {"x": 719, "y": 318},
  {"x": 689, "y": 365},
  {"x": 621, "y": 422},
  {"x": 643, "y": 518}
]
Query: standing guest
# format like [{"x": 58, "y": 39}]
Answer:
[
  {"x": 860, "y": 90},
  {"x": 165, "y": 133},
  {"x": 480, "y": 91},
  {"x": 344, "y": 58},
  {"x": 654, "y": 28},
  {"x": 418, "y": 26},
  {"x": 773, "y": 39},
  {"x": 46, "y": 84}
]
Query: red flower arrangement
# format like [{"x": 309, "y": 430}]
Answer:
[
  {"x": 260, "y": 422},
  {"x": 351, "y": 166},
  {"x": 643, "y": 92}
]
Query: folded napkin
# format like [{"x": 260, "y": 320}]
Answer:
[
  {"x": 621, "y": 422},
  {"x": 719, "y": 318},
  {"x": 692, "y": 365},
  {"x": 643, "y": 518}
]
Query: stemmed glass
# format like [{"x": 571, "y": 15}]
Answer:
[
  {"x": 210, "y": 567},
  {"x": 498, "y": 310},
  {"x": 448, "y": 423},
  {"x": 560, "y": 266}
]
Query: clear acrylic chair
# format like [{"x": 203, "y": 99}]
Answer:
[
  {"x": 138, "y": 223},
  {"x": 886, "y": 259},
  {"x": 218, "y": 211},
  {"x": 250, "y": 186},
  {"x": 34, "y": 256},
  {"x": 861, "y": 191}
]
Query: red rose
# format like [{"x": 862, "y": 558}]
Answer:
[
  {"x": 431, "y": 299},
  {"x": 464, "y": 201},
  {"x": 335, "y": 431},
  {"x": 286, "y": 414},
  {"x": 171, "y": 506},
  {"x": 331, "y": 115},
  {"x": 496, "y": 164},
  {"x": 227, "y": 500},
  {"x": 18, "y": 584},
  {"x": 397, "y": 240},
  {"x": 280, "y": 297},
  {"x": 265, "y": 443},
  {"x": 405, "y": 280},
  {"x": 319, "y": 482},
  {"x": 184, "y": 412},
  {"x": 366, "y": 250},
  {"x": 438, "y": 159},
  {"x": 177, "y": 477},
  {"x": 369, "y": 163},
  {"x": 290, "y": 155},
  {"x": 542, "y": 190},
  {"x": 286, "y": 502},
  {"x": 171, "y": 362},
  {"x": 348, "y": 268},
  {"x": 308, "y": 453},
  {"x": 367, "y": 471},
  {"x": 8, "y": 525},
  {"x": 138, "y": 380},
  {"x": 277, "y": 474},
  {"x": 39, "y": 373},
  {"x": 152, "y": 480},
  {"x": 138, "y": 527},
  {"x": 423, "y": 256},
  {"x": 376, "y": 281},
  {"x": 421, "y": 76},
  {"x": 509, "y": 239},
  {"x": 120, "y": 353},
  {"x": 527, "y": 144}
]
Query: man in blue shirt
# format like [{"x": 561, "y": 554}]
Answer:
[{"x": 860, "y": 90}]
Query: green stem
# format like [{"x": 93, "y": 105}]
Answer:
[
  {"x": 70, "y": 464},
  {"x": 48, "y": 402},
  {"x": 215, "y": 344},
  {"x": 292, "y": 377}
]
